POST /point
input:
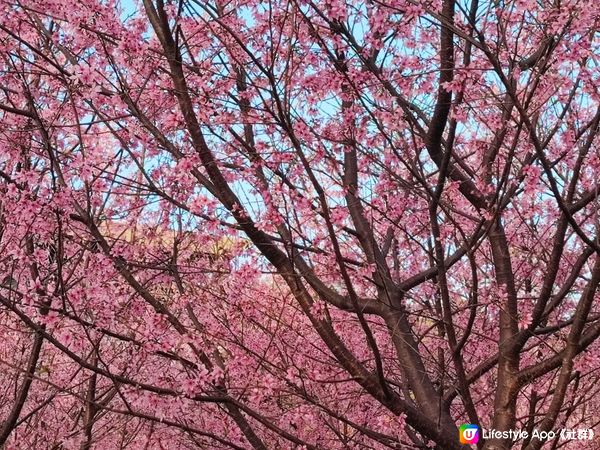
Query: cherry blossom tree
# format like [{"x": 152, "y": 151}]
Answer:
[{"x": 298, "y": 224}]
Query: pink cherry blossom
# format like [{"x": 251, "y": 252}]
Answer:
[{"x": 298, "y": 224}]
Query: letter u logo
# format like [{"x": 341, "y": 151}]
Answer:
[{"x": 468, "y": 434}]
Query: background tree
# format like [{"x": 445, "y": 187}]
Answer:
[{"x": 297, "y": 224}]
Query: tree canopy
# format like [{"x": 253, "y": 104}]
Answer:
[{"x": 298, "y": 224}]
